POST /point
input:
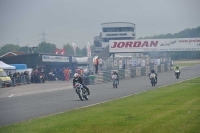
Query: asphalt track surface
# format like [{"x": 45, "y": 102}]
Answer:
[{"x": 21, "y": 103}]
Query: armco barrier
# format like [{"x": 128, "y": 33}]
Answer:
[
  {"x": 105, "y": 76},
  {"x": 158, "y": 68},
  {"x": 143, "y": 71},
  {"x": 148, "y": 70},
  {"x": 127, "y": 73},
  {"x": 162, "y": 68},
  {"x": 133, "y": 72},
  {"x": 138, "y": 71},
  {"x": 0, "y": 83},
  {"x": 121, "y": 74}
]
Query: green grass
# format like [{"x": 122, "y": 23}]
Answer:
[
  {"x": 172, "y": 109},
  {"x": 182, "y": 63}
]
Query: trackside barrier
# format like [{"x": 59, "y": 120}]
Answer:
[
  {"x": 105, "y": 76},
  {"x": 162, "y": 67},
  {"x": 21, "y": 80},
  {"x": 0, "y": 83}
]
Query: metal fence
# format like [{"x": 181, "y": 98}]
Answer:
[{"x": 20, "y": 80}]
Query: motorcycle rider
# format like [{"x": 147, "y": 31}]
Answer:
[
  {"x": 153, "y": 71},
  {"x": 115, "y": 73},
  {"x": 79, "y": 79},
  {"x": 177, "y": 68}
]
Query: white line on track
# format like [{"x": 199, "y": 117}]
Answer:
[{"x": 40, "y": 91}]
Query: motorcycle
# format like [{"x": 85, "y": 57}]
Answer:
[
  {"x": 41, "y": 78},
  {"x": 81, "y": 91},
  {"x": 153, "y": 79},
  {"x": 177, "y": 73},
  {"x": 115, "y": 82}
]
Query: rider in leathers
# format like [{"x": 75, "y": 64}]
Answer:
[
  {"x": 153, "y": 71},
  {"x": 79, "y": 79},
  {"x": 115, "y": 73},
  {"x": 177, "y": 68}
]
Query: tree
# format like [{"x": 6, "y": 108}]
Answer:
[
  {"x": 78, "y": 51},
  {"x": 24, "y": 49},
  {"x": 9, "y": 48},
  {"x": 92, "y": 47},
  {"x": 84, "y": 51},
  {"x": 68, "y": 49},
  {"x": 44, "y": 47}
]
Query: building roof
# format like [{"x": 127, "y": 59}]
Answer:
[
  {"x": 118, "y": 22},
  {"x": 12, "y": 54}
]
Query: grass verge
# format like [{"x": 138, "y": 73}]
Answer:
[
  {"x": 171, "y": 109},
  {"x": 182, "y": 63}
]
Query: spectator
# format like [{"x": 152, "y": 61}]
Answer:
[
  {"x": 96, "y": 63},
  {"x": 10, "y": 74},
  {"x": 66, "y": 71}
]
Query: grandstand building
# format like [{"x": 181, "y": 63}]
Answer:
[{"x": 114, "y": 31}]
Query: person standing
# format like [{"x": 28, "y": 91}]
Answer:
[
  {"x": 66, "y": 71},
  {"x": 96, "y": 64}
]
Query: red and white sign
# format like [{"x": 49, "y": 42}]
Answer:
[
  {"x": 56, "y": 52},
  {"x": 74, "y": 47},
  {"x": 88, "y": 50},
  {"x": 148, "y": 45},
  {"x": 62, "y": 51}
]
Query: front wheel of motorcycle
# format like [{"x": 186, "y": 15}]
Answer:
[{"x": 80, "y": 97}]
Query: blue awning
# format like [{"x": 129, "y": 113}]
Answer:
[{"x": 19, "y": 66}]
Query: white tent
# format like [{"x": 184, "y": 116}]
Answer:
[{"x": 6, "y": 66}]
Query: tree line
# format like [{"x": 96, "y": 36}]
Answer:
[
  {"x": 45, "y": 47},
  {"x": 187, "y": 33}
]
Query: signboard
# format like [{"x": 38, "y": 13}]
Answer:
[
  {"x": 147, "y": 45},
  {"x": 48, "y": 58}
]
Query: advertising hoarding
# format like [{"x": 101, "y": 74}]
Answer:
[
  {"x": 48, "y": 58},
  {"x": 148, "y": 45}
]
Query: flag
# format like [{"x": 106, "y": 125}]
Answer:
[
  {"x": 74, "y": 47},
  {"x": 88, "y": 50},
  {"x": 62, "y": 51},
  {"x": 56, "y": 52}
]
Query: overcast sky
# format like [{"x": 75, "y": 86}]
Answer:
[{"x": 78, "y": 21}]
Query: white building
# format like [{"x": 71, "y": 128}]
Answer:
[{"x": 115, "y": 31}]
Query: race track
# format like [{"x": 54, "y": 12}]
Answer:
[{"x": 26, "y": 102}]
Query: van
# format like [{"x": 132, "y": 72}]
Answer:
[{"x": 6, "y": 81}]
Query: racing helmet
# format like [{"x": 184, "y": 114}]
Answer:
[
  {"x": 152, "y": 70},
  {"x": 76, "y": 75},
  {"x": 177, "y": 66}
]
